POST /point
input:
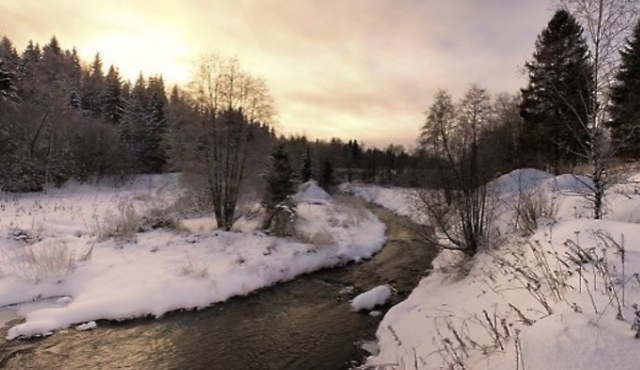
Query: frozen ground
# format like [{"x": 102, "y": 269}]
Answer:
[
  {"x": 87, "y": 252},
  {"x": 527, "y": 302}
]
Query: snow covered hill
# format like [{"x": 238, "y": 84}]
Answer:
[
  {"x": 562, "y": 298},
  {"x": 89, "y": 252}
]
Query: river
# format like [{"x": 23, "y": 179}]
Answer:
[{"x": 304, "y": 324}]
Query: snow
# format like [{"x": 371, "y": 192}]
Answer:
[
  {"x": 67, "y": 272},
  {"x": 88, "y": 326},
  {"x": 310, "y": 192},
  {"x": 400, "y": 201},
  {"x": 548, "y": 311},
  {"x": 372, "y": 298}
]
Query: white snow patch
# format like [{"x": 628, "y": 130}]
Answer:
[
  {"x": 87, "y": 326},
  {"x": 311, "y": 192},
  {"x": 372, "y": 298}
]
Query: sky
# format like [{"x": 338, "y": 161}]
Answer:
[{"x": 353, "y": 69}]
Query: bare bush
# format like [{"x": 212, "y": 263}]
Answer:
[
  {"x": 532, "y": 206},
  {"x": 319, "y": 238},
  {"x": 461, "y": 210},
  {"x": 42, "y": 261},
  {"x": 159, "y": 217},
  {"x": 122, "y": 225}
]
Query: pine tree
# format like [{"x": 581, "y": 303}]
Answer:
[
  {"x": 307, "y": 170},
  {"x": 326, "y": 177},
  {"x": 558, "y": 101},
  {"x": 93, "y": 87},
  {"x": 132, "y": 130},
  {"x": 9, "y": 61},
  {"x": 7, "y": 84},
  {"x": 280, "y": 181},
  {"x": 153, "y": 156},
  {"x": 625, "y": 100},
  {"x": 75, "y": 79},
  {"x": 113, "y": 102},
  {"x": 9, "y": 54}
]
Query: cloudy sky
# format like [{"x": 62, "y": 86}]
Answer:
[{"x": 363, "y": 69}]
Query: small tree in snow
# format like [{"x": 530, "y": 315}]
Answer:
[
  {"x": 307, "y": 170},
  {"x": 326, "y": 176},
  {"x": 280, "y": 180}
]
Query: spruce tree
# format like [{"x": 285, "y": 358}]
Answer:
[
  {"x": 7, "y": 84},
  {"x": 559, "y": 99},
  {"x": 625, "y": 100},
  {"x": 307, "y": 170},
  {"x": 93, "y": 87},
  {"x": 113, "y": 103},
  {"x": 153, "y": 155},
  {"x": 326, "y": 176},
  {"x": 280, "y": 181}
]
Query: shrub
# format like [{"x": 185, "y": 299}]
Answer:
[{"x": 532, "y": 206}]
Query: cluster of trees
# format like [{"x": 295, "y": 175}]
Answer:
[
  {"x": 581, "y": 106},
  {"x": 61, "y": 119}
]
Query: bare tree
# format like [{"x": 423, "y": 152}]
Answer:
[
  {"x": 226, "y": 145},
  {"x": 607, "y": 23},
  {"x": 459, "y": 210}
]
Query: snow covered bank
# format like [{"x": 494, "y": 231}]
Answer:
[
  {"x": 561, "y": 298},
  {"x": 401, "y": 201},
  {"x": 55, "y": 253}
]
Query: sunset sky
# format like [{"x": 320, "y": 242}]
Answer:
[{"x": 363, "y": 69}]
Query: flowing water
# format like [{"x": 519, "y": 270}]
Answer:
[{"x": 303, "y": 324}]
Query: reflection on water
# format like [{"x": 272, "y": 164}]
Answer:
[
  {"x": 6, "y": 315},
  {"x": 303, "y": 324}
]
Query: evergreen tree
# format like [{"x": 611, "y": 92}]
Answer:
[
  {"x": 113, "y": 108},
  {"x": 132, "y": 125},
  {"x": 326, "y": 177},
  {"x": 32, "y": 53},
  {"x": 9, "y": 61},
  {"x": 558, "y": 101},
  {"x": 9, "y": 54},
  {"x": 75, "y": 79},
  {"x": 93, "y": 87},
  {"x": 280, "y": 181},
  {"x": 307, "y": 170},
  {"x": 52, "y": 67},
  {"x": 153, "y": 156},
  {"x": 7, "y": 84},
  {"x": 625, "y": 100}
]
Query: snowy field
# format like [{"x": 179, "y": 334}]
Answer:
[
  {"x": 87, "y": 252},
  {"x": 561, "y": 298}
]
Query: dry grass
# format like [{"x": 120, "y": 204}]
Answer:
[
  {"x": 42, "y": 261},
  {"x": 122, "y": 225},
  {"x": 320, "y": 238},
  {"x": 532, "y": 206},
  {"x": 195, "y": 269},
  {"x": 353, "y": 208}
]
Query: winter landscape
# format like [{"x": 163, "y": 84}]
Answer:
[{"x": 333, "y": 185}]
